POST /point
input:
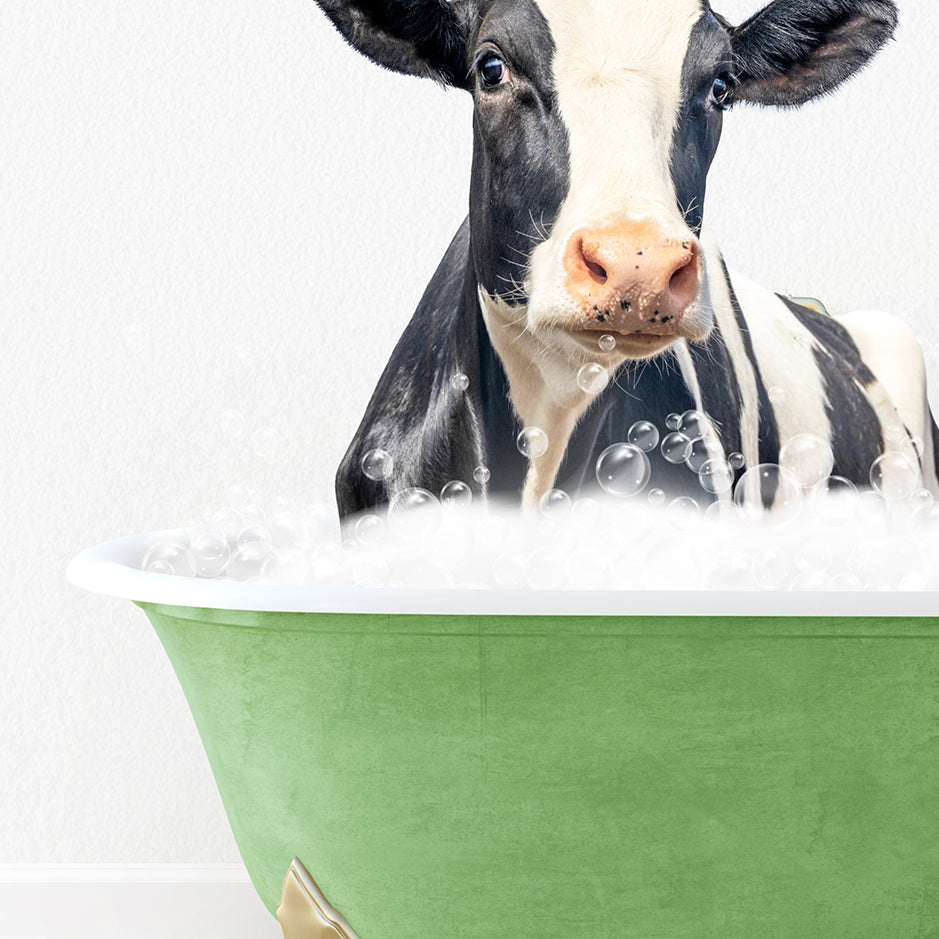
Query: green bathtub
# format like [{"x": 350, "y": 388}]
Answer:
[{"x": 691, "y": 766}]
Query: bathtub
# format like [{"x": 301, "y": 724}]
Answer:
[{"x": 445, "y": 764}]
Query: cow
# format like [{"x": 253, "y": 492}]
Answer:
[{"x": 595, "y": 124}]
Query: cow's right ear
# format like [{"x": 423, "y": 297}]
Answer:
[{"x": 417, "y": 37}]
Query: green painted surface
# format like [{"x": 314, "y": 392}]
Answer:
[{"x": 537, "y": 778}]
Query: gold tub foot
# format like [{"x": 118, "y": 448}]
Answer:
[{"x": 303, "y": 911}]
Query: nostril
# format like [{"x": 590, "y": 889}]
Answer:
[
  {"x": 597, "y": 271},
  {"x": 683, "y": 285}
]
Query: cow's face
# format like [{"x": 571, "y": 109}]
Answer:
[
  {"x": 595, "y": 124},
  {"x": 595, "y": 128}
]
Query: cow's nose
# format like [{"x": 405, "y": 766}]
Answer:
[{"x": 632, "y": 277}]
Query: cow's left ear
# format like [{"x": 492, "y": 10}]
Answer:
[
  {"x": 417, "y": 37},
  {"x": 794, "y": 50}
]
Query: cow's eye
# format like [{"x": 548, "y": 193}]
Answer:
[
  {"x": 722, "y": 92},
  {"x": 493, "y": 71}
]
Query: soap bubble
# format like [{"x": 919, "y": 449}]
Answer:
[
  {"x": 736, "y": 460},
  {"x": 894, "y": 475},
  {"x": 547, "y": 568},
  {"x": 459, "y": 382},
  {"x": 777, "y": 395},
  {"x": 683, "y": 512},
  {"x": 414, "y": 513},
  {"x": 287, "y": 566},
  {"x": 481, "y": 474},
  {"x": 221, "y": 517},
  {"x": 644, "y": 435},
  {"x": 810, "y": 580},
  {"x": 673, "y": 421},
  {"x": 656, "y": 497},
  {"x": 283, "y": 507},
  {"x": 169, "y": 557},
  {"x": 809, "y": 458},
  {"x": 767, "y": 485},
  {"x": 895, "y": 433},
  {"x": 532, "y": 442},
  {"x": 692, "y": 424},
  {"x": 926, "y": 518},
  {"x": 367, "y": 568},
  {"x": 556, "y": 503},
  {"x": 426, "y": 574},
  {"x": 586, "y": 511},
  {"x": 698, "y": 455},
  {"x": 885, "y": 563},
  {"x": 622, "y": 470},
  {"x": 675, "y": 447},
  {"x": 306, "y": 531},
  {"x": 716, "y": 476},
  {"x": 247, "y": 560},
  {"x": 455, "y": 493},
  {"x": 920, "y": 497},
  {"x": 252, "y": 533},
  {"x": 832, "y": 500},
  {"x": 369, "y": 528},
  {"x": 813, "y": 554},
  {"x": 917, "y": 444},
  {"x": 510, "y": 571},
  {"x": 251, "y": 513},
  {"x": 231, "y": 423},
  {"x": 210, "y": 552},
  {"x": 378, "y": 464},
  {"x": 773, "y": 567},
  {"x": 592, "y": 378},
  {"x": 606, "y": 342}
]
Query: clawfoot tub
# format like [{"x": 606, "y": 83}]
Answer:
[{"x": 449, "y": 764}]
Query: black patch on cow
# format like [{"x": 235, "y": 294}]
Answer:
[
  {"x": 521, "y": 159},
  {"x": 432, "y": 431},
  {"x": 856, "y": 437},
  {"x": 794, "y": 50},
  {"x": 768, "y": 443},
  {"x": 720, "y": 390},
  {"x": 698, "y": 129}
]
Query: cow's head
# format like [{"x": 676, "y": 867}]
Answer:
[{"x": 595, "y": 124}]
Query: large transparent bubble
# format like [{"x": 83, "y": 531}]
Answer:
[
  {"x": 644, "y": 435},
  {"x": 623, "y": 470},
  {"x": 809, "y": 458},
  {"x": 894, "y": 475},
  {"x": 413, "y": 514},
  {"x": 532, "y": 442}
]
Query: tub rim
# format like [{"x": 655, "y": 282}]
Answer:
[{"x": 109, "y": 569}]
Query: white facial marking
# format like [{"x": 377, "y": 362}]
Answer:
[{"x": 617, "y": 69}]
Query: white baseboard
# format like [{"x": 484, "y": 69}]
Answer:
[{"x": 139, "y": 901}]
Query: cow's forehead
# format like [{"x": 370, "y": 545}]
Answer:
[{"x": 608, "y": 41}]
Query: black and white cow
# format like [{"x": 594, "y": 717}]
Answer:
[{"x": 595, "y": 124}]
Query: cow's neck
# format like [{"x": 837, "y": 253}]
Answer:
[{"x": 544, "y": 389}]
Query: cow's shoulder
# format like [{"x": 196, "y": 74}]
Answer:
[
  {"x": 887, "y": 344},
  {"x": 419, "y": 414}
]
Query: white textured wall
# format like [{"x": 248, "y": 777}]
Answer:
[{"x": 230, "y": 182}]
